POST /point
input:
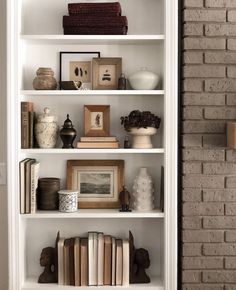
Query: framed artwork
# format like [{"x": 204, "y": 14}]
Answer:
[
  {"x": 77, "y": 66},
  {"x": 98, "y": 182},
  {"x": 106, "y": 72},
  {"x": 96, "y": 120}
]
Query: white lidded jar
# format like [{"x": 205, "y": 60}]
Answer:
[
  {"x": 68, "y": 200},
  {"x": 143, "y": 191},
  {"x": 46, "y": 130},
  {"x": 144, "y": 80}
]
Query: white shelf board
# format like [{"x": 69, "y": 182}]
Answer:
[
  {"x": 31, "y": 284},
  {"x": 91, "y": 92},
  {"x": 94, "y": 39},
  {"x": 93, "y": 151},
  {"x": 94, "y": 213}
]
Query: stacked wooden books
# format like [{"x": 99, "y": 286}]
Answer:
[
  {"x": 98, "y": 142},
  {"x": 29, "y": 173},
  {"x": 93, "y": 261},
  {"x": 27, "y": 125}
]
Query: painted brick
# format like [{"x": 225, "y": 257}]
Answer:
[
  {"x": 221, "y": 195},
  {"x": 192, "y": 223},
  {"x": 224, "y": 222},
  {"x": 202, "y": 287},
  {"x": 220, "y": 85},
  {"x": 204, "y": 43},
  {"x": 191, "y": 194},
  {"x": 220, "y": 3},
  {"x": 230, "y": 209},
  {"x": 192, "y": 167},
  {"x": 204, "y": 208},
  {"x": 192, "y": 85},
  {"x": 230, "y": 287},
  {"x": 231, "y": 72},
  {"x": 231, "y": 44},
  {"x": 203, "y": 155},
  {"x": 219, "y": 276},
  {"x": 230, "y": 263},
  {"x": 220, "y": 113},
  {"x": 213, "y": 141},
  {"x": 193, "y": 3},
  {"x": 192, "y": 249},
  {"x": 193, "y": 57},
  {"x": 202, "y": 71},
  {"x": 203, "y": 99},
  {"x": 202, "y": 236},
  {"x": 193, "y": 29},
  {"x": 231, "y": 155},
  {"x": 231, "y": 182},
  {"x": 205, "y": 15},
  {"x": 203, "y": 127},
  {"x": 220, "y": 30},
  {"x": 231, "y": 16},
  {"x": 192, "y": 140},
  {"x": 219, "y": 249},
  {"x": 202, "y": 263},
  {"x": 203, "y": 181},
  {"x": 190, "y": 276},
  {"x": 230, "y": 236},
  {"x": 192, "y": 113},
  {"x": 223, "y": 57},
  {"x": 219, "y": 168},
  {"x": 231, "y": 99}
]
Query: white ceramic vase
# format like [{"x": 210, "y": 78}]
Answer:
[
  {"x": 144, "y": 80},
  {"x": 141, "y": 137},
  {"x": 143, "y": 191}
]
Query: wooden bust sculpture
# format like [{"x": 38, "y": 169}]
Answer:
[{"x": 48, "y": 260}]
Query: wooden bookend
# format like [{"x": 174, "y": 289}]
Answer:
[{"x": 231, "y": 135}]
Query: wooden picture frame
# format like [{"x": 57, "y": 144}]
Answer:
[
  {"x": 106, "y": 72},
  {"x": 98, "y": 182},
  {"x": 96, "y": 120}
]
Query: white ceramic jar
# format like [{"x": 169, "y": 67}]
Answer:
[
  {"x": 68, "y": 200},
  {"x": 144, "y": 80},
  {"x": 46, "y": 130}
]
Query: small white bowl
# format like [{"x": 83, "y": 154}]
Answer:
[{"x": 144, "y": 80}]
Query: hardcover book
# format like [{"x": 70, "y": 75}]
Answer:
[{"x": 107, "y": 260}]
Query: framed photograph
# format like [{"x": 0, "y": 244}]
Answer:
[
  {"x": 77, "y": 66},
  {"x": 98, "y": 182},
  {"x": 106, "y": 72},
  {"x": 96, "y": 120}
]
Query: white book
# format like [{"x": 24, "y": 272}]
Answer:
[
  {"x": 22, "y": 184},
  {"x": 125, "y": 280},
  {"x": 34, "y": 185},
  {"x": 60, "y": 254},
  {"x": 91, "y": 260},
  {"x": 113, "y": 261},
  {"x": 95, "y": 250},
  {"x": 100, "y": 258}
]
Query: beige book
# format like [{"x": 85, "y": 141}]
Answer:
[
  {"x": 125, "y": 280},
  {"x": 97, "y": 145},
  {"x": 34, "y": 185},
  {"x": 84, "y": 261},
  {"x": 77, "y": 261},
  {"x": 119, "y": 262},
  {"x": 100, "y": 258},
  {"x": 113, "y": 261},
  {"x": 107, "y": 260},
  {"x": 92, "y": 259},
  {"x": 60, "y": 255},
  {"x": 98, "y": 139}
]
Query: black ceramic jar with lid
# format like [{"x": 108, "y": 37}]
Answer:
[{"x": 68, "y": 134}]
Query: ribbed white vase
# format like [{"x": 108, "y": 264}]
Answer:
[{"x": 143, "y": 191}]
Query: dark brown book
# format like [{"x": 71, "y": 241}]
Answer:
[
  {"x": 96, "y": 30},
  {"x": 107, "y": 278},
  {"x": 72, "y": 262},
  {"x": 66, "y": 261},
  {"x": 84, "y": 261},
  {"x": 26, "y": 107},
  {"x": 88, "y": 21},
  {"x": 113, "y": 8}
]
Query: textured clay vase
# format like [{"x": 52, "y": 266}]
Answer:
[
  {"x": 141, "y": 137},
  {"x": 44, "y": 79},
  {"x": 46, "y": 130},
  {"x": 143, "y": 191},
  {"x": 144, "y": 80}
]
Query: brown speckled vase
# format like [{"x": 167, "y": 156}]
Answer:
[{"x": 45, "y": 79}]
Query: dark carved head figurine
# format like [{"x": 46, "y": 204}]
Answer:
[{"x": 48, "y": 260}]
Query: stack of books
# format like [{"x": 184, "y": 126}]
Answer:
[
  {"x": 27, "y": 125},
  {"x": 29, "y": 174},
  {"x": 96, "y": 260},
  {"x": 95, "y": 18},
  {"x": 98, "y": 142}
]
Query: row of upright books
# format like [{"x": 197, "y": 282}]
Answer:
[
  {"x": 27, "y": 125},
  {"x": 29, "y": 174},
  {"x": 96, "y": 260}
]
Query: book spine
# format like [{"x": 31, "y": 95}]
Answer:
[
  {"x": 84, "y": 261},
  {"x": 125, "y": 277},
  {"x": 34, "y": 185},
  {"x": 26, "y": 107},
  {"x": 31, "y": 129}
]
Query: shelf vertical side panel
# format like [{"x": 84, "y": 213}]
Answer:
[{"x": 171, "y": 142}]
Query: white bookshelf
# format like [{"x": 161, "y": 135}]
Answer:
[{"x": 35, "y": 39}]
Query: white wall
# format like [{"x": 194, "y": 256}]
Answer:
[{"x": 3, "y": 150}]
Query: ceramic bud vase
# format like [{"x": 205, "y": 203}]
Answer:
[
  {"x": 141, "y": 137},
  {"x": 143, "y": 191},
  {"x": 46, "y": 130}
]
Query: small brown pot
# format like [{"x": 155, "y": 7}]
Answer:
[
  {"x": 48, "y": 193},
  {"x": 44, "y": 79}
]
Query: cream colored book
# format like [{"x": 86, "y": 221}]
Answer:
[
  {"x": 98, "y": 145},
  {"x": 98, "y": 139},
  {"x": 125, "y": 279},
  {"x": 77, "y": 261},
  {"x": 60, "y": 254},
  {"x": 100, "y": 258},
  {"x": 119, "y": 262},
  {"x": 113, "y": 261}
]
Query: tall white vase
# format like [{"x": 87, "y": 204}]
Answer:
[{"x": 143, "y": 191}]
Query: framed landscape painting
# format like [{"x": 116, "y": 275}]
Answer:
[{"x": 98, "y": 182}]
